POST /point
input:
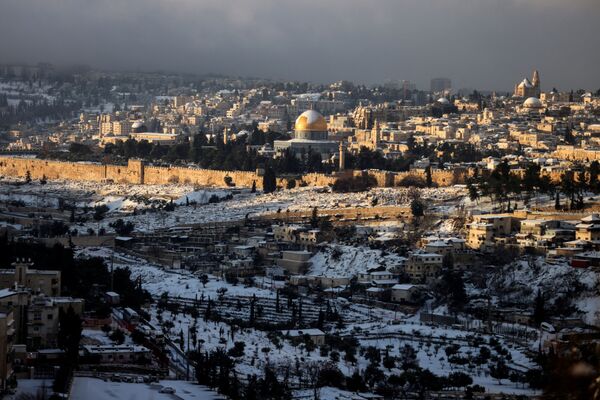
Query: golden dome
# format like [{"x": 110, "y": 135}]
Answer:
[{"x": 311, "y": 120}]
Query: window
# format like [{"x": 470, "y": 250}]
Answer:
[{"x": 50, "y": 316}]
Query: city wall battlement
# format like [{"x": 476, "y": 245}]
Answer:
[{"x": 136, "y": 172}]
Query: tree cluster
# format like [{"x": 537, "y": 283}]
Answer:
[{"x": 504, "y": 185}]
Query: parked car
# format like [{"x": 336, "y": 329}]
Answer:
[{"x": 167, "y": 390}]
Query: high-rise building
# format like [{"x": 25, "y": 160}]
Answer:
[{"x": 439, "y": 85}]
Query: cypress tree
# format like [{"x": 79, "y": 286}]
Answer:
[
  {"x": 269, "y": 180},
  {"x": 539, "y": 312},
  {"x": 428, "y": 178}
]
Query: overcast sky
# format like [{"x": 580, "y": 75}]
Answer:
[{"x": 485, "y": 44}]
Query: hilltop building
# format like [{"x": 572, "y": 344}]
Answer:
[{"x": 527, "y": 88}]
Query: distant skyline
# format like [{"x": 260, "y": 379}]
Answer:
[{"x": 482, "y": 44}]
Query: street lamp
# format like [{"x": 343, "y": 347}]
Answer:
[{"x": 112, "y": 261}]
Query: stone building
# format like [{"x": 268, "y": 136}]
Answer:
[
  {"x": 527, "y": 88},
  {"x": 17, "y": 301},
  {"x": 294, "y": 262},
  {"x": 39, "y": 281},
  {"x": 423, "y": 267},
  {"x": 310, "y": 135},
  {"x": 588, "y": 229},
  {"x": 485, "y": 230},
  {"x": 404, "y": 293},
  {"x": 117, "y": 354},
  {"x": 7, "y": 332},
  {"x": 297, "y": 234},
  {"x": 43, "y": 319}
]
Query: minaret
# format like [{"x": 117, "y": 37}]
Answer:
[
  {"x": 225, "y": 135},
  {"x": 376, "y": 135},
  {"x": 536, "y": 78},
  {"x": 342, "y": 165},
  {"x": 535, "y": 81},
  {"x": 21, "y": 268}
]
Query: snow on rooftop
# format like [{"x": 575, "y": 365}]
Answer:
[{"x": 403, "y": 286}]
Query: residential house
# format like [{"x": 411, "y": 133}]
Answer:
[{"x": 423, "y": 267}]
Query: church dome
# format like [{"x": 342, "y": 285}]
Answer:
[
  {"x": 311, "y": 120},
  {"x": 443, "y": 100},
  {"x": 533, "y": 102}
]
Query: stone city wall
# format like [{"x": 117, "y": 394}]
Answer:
[
  {"x": 135, "y": 172},
  {"x": 201, "y": 177},
  {"x": 19, "y": 167},
  {"x": 576, "y": 153}
]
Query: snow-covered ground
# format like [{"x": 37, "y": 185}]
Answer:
[
  {"x": 349, "y": 261},
  {"x": 97, "y": 336},
  {"x": 96, "y": 389},
  {"x": 520, "y": 281},
  {"x": 123, "y": 199},
  {"x": 177, "y": 283},
  {"x": 119, "y": 198},
  {"x": 260, "y": 349},
  {"x": 429, "y": 344},
  {"x": 32, "y": 388},
  {"x": 16, "y": 91}
]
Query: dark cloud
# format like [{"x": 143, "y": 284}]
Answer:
[{"x": 477, "y": 43}]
